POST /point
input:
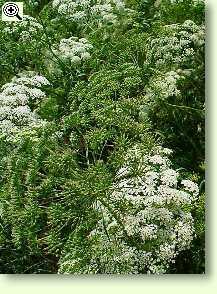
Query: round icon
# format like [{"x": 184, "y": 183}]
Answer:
[{"x": 11, "y": 10}]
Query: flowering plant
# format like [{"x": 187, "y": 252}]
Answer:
[
  {"x": 15, "y": 101},
  {"x": 90, "y": 92},
  {"x": 146, "y": 220}
]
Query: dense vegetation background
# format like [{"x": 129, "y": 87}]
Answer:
[{"x": 90, "y": 90}]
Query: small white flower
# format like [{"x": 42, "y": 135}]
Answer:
[
  {"x": 148, "y": 232},
  {"x": 157, "y": 159},
  {"x": 169, "y": 177},
  {"x": 15, "y": 114},
  {"x": 74, "y": 49},
  {"x": 191, "y": 187}
]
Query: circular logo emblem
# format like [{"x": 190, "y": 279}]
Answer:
[{"x": 11, "y": 10}]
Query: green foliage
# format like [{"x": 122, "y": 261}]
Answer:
[
  {"x": 176, "y": 91},
  {"x": 178, "y": 11},
  {"x": 142, "y": 84}
]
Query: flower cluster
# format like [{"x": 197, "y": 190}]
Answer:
[
  {"x": 147, "y": 219},
  {"x": 166, "y": 85},
  {"x": 194, "y": 2},
  {"x": 74, "y": 49},
  {"x": 83, "y": 10},
  {"x": 26, "y": 30},
  {"x": 177, "y": 45},
  {"x": 15, "y": 98}
]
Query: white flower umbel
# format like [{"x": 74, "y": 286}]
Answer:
[
  {"x": 26, "y": 30},
  {"x": 74, "y": 49},
  {"x": 146, "y": 220},
  {"x": 194, "y": 2},
  {"x": 164, "y": 86},
  {"x": 178, "y": 45},
  {"x": 15, "y": 98},
  {"x": 86, "y": 10},
  {"x": 191, "y": 187}
]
